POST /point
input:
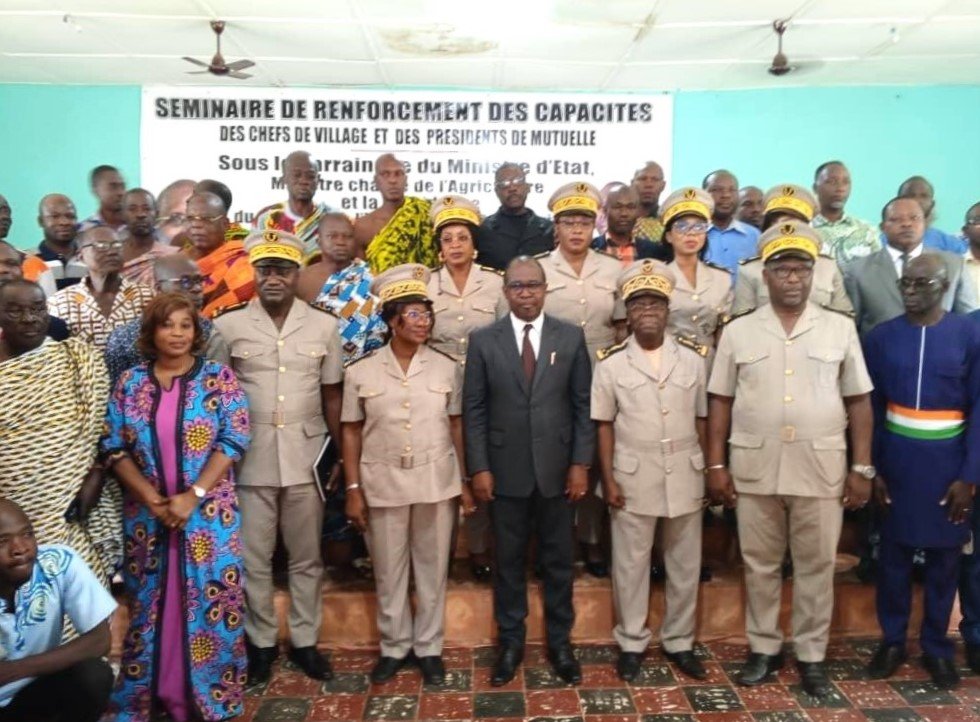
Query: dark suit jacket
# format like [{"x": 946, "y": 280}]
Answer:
[
  {"x": 645, "y": 248},
  {"x": 872, "y": 285},
  {"x": 527, "y": 437},
  {"x": 497, "y": 247}
]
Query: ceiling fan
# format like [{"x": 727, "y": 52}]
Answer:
[
  {"x": 780, "y": 63},
  {"x": 218, "y": 66}
]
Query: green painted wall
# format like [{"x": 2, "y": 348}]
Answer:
[{"x": 51, "y": 136}]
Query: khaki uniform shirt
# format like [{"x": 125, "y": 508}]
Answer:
[
  {"x": 457, "y": 314},
  {"x": 656, "y": 460},
  {"x": 696, "y": 312},
  {"x": 788, "y": 417},
  {"x": 827, "y": 289},
  {"x": 407, "y": 453},
  {"x": 590, "y": 301},
  {"x": 281, "y": 373}
]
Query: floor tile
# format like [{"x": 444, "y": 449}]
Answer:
[
  {"x": 457, "y": 658},
  {"x": 951, "y": 713},
  {"x": 457, "y": 680},
  {"x": 391, "y": 707},
  {"x": 597, "y": 653},
  {"x": 600, "y": 676},
  {"x": 654, "y": 675},
  {"x": 337, "y": 707},
  {"x": 480, "y": 681},
  {"x": 766, "y": 697},
  {"x": 917, "y": 693},
  {"x": 871, "y": 694},
  {"x": 542, "y": 678},
  {"x": 498, "y": 704},
  {"x": 346, "y": 683},
  {"x": 901, "y": 714},
  {"x": 292, "y": 685},
  {"x": 668, "y": 717},
  {"x": 450, "y": 705},
  {"x": 725, "y": 717},
  {"x": 555, "y": 719},
  {"x": 716, "y": 675},
  {"x": 606, "y": 701},
  {"x": 836, "y": 715},
  {"x": 660, "y": 700},
  {"x": 283, "y": 709},
  {"x": 834, "y": 699},
  {"x": 846, "y": 669},
  {"x": 407, "y": 681},
  {"x": 782, "y": 715},
  {"x": 553, "y": 703},
  {"x": 713, "y": 699},
  {"x": 353, "y": 661}
]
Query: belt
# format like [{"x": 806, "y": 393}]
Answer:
[
  {"x": 281, "y": 418},
  {"x": 670, "y": 446},
  {"x": 408, "y": 460},
  {"x": 925, "y": 425}
]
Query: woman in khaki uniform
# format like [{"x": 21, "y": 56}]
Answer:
[
  {"x": 582, "y": 290},
  {"x": 790, "y": 203},
  {"x": 702, "y": 299},
  {"x": 465, "y": 297},
  {"x": 403, "y": 458}
]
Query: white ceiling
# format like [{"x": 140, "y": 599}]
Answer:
[{"x": 593, "y": 45}]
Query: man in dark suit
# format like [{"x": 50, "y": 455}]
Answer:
[
  {"x": 514, "y": 230},
  {"x": 872, "y": 281},
  {"x": 529, "y": 444}
]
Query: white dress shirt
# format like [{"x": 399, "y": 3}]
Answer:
[
  {"x": 535, "y": 334},
  {"x": 896, "y": 255}
]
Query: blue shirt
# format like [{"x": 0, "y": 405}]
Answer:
[
  {"x": 729, "y": 246},
  {"x": 940, "y": 240},
  {"x": 61, "y": 584}
]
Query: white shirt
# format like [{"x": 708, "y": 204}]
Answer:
[
  {"x": 534, "y": 335},
  {"x": 896, "y": 255}
]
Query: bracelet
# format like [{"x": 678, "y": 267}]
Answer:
[
  {"x": 351, "y": 487},
  {"x": 715, "y": 466}
]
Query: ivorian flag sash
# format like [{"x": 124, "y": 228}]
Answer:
[{"x": 929, "y": 425}]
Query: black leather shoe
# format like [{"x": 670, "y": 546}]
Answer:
[
  {"x": 813, "y": 677},
  {"x": 886, "y": 660},
  {"x": 433, "y": 671},
  {"x": 598, "y": 569},
  {"x": 687, "y": 663},
  {"x": 260, "y": 661},
  {"x": 481, "y": 572},
  {"x": 942, "y": 671},
  {"x": 565, "y": 665},
  {"x": 628, "y": 665},
  {"x": 657, "y": 573},
  {"x": 508, "y": 660},
  {"x": 973, "y": 657},
  {"x": 312, "y": 663},
  {"x": 758, "y": 668},
  {"x": 387, "y": 667}
]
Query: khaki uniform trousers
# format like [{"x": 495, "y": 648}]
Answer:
[
  {"x": 811, "y": 526},
  {"x": 632, "y": 544},
  {"x": 416, "y": 536},
  {"x": 297, "y": 512}
]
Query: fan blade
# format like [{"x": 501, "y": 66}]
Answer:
[
  {"x": 240, "y": 76},
  {"x": 240, "y": 65},
  {"x": 195, "y": 61},
  {"x": 198, "y": 72}
]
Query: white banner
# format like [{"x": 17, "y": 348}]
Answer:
[{"x": 452, "y": 142}]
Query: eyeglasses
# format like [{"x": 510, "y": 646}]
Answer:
[
  {"x": 518, "y": 286},
  {"x": 973, "y": 221},
  {"x": 103, "y": 245},
  {"x": 510, "y": 183},
  {"x": 176, "y": 219},
  {"x": 416, "y": 316},
  {"x": 186, "y": 283},
  {"x": 784, "y": 272},
  {"x": 188, "y": 219},
  {"x": 575, "y": 222},
  {"x": 919, "y": 284},
  {"x": 690, "y": 227},
  {"x": 23, "y": 313}
]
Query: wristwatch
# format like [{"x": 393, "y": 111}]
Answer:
[
  {"x": 198, "y": 491},
  {"x": 867, "y": 471}
]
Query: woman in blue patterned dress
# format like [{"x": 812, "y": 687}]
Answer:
[{"x": 175, "y": 426}]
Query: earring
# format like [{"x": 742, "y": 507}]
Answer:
[{"x": 475, "y": 254}]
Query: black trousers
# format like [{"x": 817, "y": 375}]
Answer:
[
  {"x": 515, "y": 520},
  {"x": 77, "y": 694}
]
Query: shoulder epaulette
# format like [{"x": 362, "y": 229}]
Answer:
[
  {"x": 443, "y": 353},
  {"x": 841, "y": 311},
  {"x": 437, "y": 268},
  {"x": 543, "y": 254},
  {"x": 228, "y": 309},
  {"x": 607, "y": 254},
  {"x": 709, "y": 264},
  {"x": 746, "y": 312},
  {"x": 491, "y": 269},
  {"x": 699, "y": 348},
  {"x": 603, "y": 353},
  {"x": 749, "y": 260},
  {"x": 369, "y": 354}
]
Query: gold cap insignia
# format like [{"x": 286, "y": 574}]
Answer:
[
  {"x": 448, "y": 200},
  {"x": 581, "y": 188},
  {"x": 270, "y": 236},
  {"x": 787, "y": 229},
  {"x": 419, "y": 273},
  {"x": 647, "y": 268},
  {"x": 689, "y": 194},
  {"x": 789, "y": 191}
]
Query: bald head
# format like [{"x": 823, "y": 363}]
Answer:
[
  {"x": 10, "y": 262},
  {"x": 10, "y": 509},
  {"x": 622, "y": 210},
  {"x": 18, "y": 548},
  {"x": 173, "y": 198},
  {"x": 649, "y": 184},
  {"x": 301, "y": 176},
  {"x": 923, "y": 284},
  {"x": 58, "y": 219},
  {"x": 390, "y": 177}
]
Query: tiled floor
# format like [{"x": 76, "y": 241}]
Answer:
[{"x": 661, "y": 694}]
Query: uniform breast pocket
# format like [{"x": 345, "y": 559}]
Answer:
[
  {"x": 439, "y": 393},
  {"x": 371, "y": 398},
  {"x": 752, "y": 368},
  {"x": 312, "y": 354},
  {"x": 825, "y": 363},
  {"x": 249, "y": 357}
]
